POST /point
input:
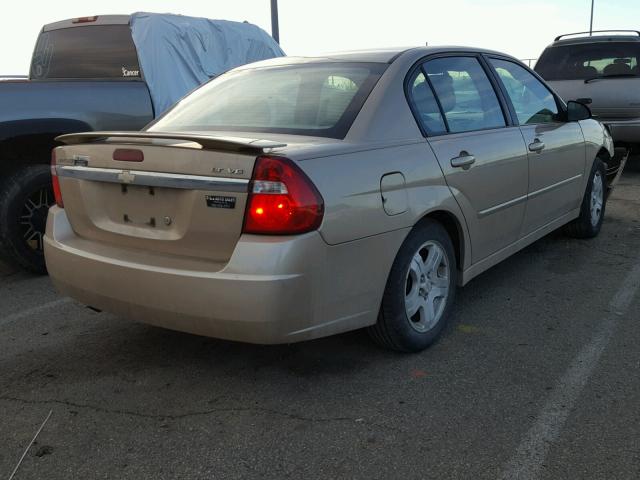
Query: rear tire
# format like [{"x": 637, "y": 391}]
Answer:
[
  {"x": 420, "y": 291},
  {"x": 25, "y": 198},
  {"x": 589, "y": 223}
]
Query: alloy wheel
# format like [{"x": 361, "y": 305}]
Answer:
[
  {"x": 427, "y": 286},
  {"x": 33, "y": 218}
]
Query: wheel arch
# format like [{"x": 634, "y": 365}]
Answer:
[
  {"x": 454, "y": 227},
  {"x": 609, "y": 166},
  {"x": 603, "y": 154},
  {"x": 29, "y": 142}
]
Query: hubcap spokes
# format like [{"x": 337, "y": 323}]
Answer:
[
  {"x": 427, "y": 286},
  {"x": 33, "y": 218},
  {"x": 597, "y": 198}
]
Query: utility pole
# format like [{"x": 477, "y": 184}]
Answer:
[
  {"x": 590, "y": 24},
  {"x": 275, "y": 31}
]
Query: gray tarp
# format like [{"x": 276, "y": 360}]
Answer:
[{"x": 179, "y": 53}]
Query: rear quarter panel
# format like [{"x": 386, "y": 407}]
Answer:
[
  {"x": 32, "y": 114},
  {"x": 350, "y": 186},
  {"x": 101, "y": 105}
]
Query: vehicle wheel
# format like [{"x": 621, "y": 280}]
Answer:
[
  {"x": 588, "y": 224},
  {"x": 25, "y": 198},
  {"x": 420, "y": 291}
]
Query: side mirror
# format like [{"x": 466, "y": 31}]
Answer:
[{"x": 577, "y": 111}]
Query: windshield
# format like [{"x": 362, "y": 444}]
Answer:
[
  {"x": 96, "y": 51},
  {"x": 308, "y": 99},
  {"x": 582, "y": 62}
]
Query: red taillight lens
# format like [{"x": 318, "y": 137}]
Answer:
[
  {"x": 282, "y": 199},
  {"x": 85, "y": 19},
  {"x": 57, "y": 193}
]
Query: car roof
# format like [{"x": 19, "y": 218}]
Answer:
[
  {"x": 378, "y": 55},
  {"x": 99, "y": 20}
]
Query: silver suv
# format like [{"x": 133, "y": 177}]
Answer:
[{"x": 600, "y": 70}]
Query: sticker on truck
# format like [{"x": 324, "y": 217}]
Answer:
[{"x": 130, "y": 73}]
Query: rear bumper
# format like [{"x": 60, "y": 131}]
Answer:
[
  {"x": 272, "y": 290},
  {"x": 257, "y": 307},
  {"x": 624, "y": 131}
]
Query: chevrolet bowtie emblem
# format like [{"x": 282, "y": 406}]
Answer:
[{"x": 126, "y": 177}]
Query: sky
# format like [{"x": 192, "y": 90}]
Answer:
[{"x": 521, "y": 28}]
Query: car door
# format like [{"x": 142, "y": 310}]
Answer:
[
  {"x": 556, "y": 147},
  {"x": 483, "y": 157}
]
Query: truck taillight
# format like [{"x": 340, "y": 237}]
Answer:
[
  {"x": 57, "y": 193},
  {"x": 282, "y": 200},
  {"x": 85, "y": 19}
]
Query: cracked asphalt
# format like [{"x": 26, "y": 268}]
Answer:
[{"x": 131, "y": 401}]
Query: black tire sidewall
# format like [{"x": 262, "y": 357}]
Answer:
[
  {"x": 16, "y": 189},
  {"x": 398, "y": 327},
  {"x": 591, "y": 230}
]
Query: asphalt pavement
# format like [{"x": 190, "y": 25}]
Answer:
[{"x": 536, "y": 377}]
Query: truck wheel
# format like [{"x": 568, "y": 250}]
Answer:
[
  {"x": 588, "y": 224},
  {"x": 25, "y": 198},
  {"x": 420, "y": 291}
]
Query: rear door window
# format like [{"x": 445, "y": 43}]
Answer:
[
  {"x": 591, "y": 60},
  {"x": 425, "y": 105},
  {"x": 533, "y": 102},
  {"x": 97, "y": 51},
  {"x": 465, "y": 94}
]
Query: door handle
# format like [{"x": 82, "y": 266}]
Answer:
[
  {"x": 464, "y": 161},
  {"x": 536, "y": 146}
]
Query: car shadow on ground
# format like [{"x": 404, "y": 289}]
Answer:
[{"x": 104, "y": 347}]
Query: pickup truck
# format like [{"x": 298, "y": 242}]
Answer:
[{"x": 111, "y": 72}]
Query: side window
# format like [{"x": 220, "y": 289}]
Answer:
[
  {"x": 425, "y": 105},
  {"x": 533, "y": 102},
  {"x": 465, "y": 93}
]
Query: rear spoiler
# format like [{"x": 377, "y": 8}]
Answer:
[{"x": 207, "y": 142}]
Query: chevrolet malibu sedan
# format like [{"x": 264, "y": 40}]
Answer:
[{"x": 303, "y": 197}]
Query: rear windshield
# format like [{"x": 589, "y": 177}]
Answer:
[
  {"x": 97, "y": 51},
  {"x": 581, "y": 62},
  {"x": 320, "y": 99}
]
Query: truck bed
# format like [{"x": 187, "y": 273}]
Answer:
[{"x": 82, "y": 105}]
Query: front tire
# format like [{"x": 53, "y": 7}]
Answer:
[
  {"x": 25, "y": 198},
  {"x": 420, "y": 291},
  {"x": 589, "y": 223}
]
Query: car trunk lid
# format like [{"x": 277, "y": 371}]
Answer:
[{"x": 174, "y": 194}]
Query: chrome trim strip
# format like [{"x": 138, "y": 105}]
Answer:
[
  {"x": 554, "y": 186},
  {"x": 153, "y": 179},
  {"x": 516, "y": 201},
  {"x": 502, "y": 206}
]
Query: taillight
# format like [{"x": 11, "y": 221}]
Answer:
[
  {"x": 85, "y": 19},
  {"x": 57, "y": 193},
  {"x": 128, "y": 155},
  {"x": 282, "y": 199}
]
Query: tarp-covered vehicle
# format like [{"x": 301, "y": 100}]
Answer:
[{"x": 111, "y": 72}]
